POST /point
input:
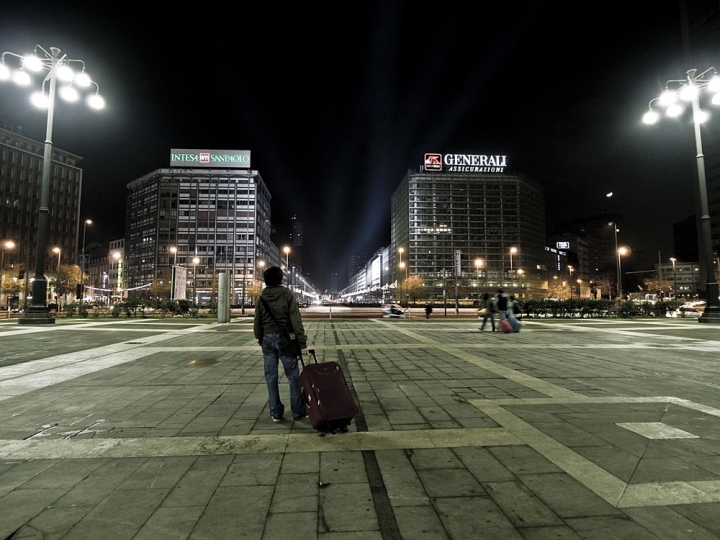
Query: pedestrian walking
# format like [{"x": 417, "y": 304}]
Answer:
[
  {"x": 514, "y": 314},
  {"x": 488, "y": 311},
  {"x": 428, "y": 311},
  {"x": 502, "y": 304},
  {"x": 279, "y": 330}
]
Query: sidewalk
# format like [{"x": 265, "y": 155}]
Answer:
[{"x": 154, "y": 429}]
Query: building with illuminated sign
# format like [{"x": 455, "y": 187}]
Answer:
[
  {"x": 217, "y": 214},
  {"x": 438, "y": 211}
]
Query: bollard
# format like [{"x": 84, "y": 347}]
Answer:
[{"x": 223, "y": 313}]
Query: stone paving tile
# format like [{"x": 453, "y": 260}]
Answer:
[
  {"x": 601, "y": 528},
  {"x": 566, "y": 496},
  {"x": 234, "y": 509},
  {"x": 345, "y": 507},
  {"x": 520, "y": 505},
  {"x": 120, "y": 515},
  {"x": 474, "y": 517},
  {"x": 200, "y": 482},
  {"x": 669, "y": 469},
  {"x": 523, "y": 460},
  {"x": 549, "y": 533},
  {"x": 420, "y": 522}
]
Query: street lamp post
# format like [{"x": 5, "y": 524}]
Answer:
[
  {"x": 58, "y": 68},
  {"x": 478, "y": 266},
  {"x": 689, "y": 89},
  {"x": 673, "y": 259},
  {"x": 7, "y": 244},
  {"x": 87, "y": 222},
  {"x": 617, "y": 264},
  {"x": 173, "y": 250},
  {"x": 570, "y": 270},
  {"x": 195, "y": 261},
  {"x": 622, "y": 251},
  {"x": 58, "y": 251},
  {"x": 513, "y": 250}
]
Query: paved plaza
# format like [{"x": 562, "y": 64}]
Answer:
[{"x": 155, "y": 429}]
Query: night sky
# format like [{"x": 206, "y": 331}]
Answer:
[{"x": 337, "y": 103}]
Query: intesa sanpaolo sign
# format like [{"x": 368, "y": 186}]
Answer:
[
  {"x": 481, "y": 163},
  {"x": 219, "y": 159}
]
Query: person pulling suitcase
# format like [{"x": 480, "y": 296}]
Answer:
[{"x": 279, "y": 330}]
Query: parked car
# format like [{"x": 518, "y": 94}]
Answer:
[{"x": 684, "y": 313}]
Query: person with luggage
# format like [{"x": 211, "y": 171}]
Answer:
[
  {"x": 279, "y": 330},
  {"x": 501, "y": 300},
  {"x": 514, "y": 314},
  {"x": 489, "y": 307}
]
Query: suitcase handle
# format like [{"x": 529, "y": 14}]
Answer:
[{"x": 310, "y": 351}]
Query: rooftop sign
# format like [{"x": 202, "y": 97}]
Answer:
[
  {"x": 218, "y": 159},
  {"x": 465, "y": 163}
]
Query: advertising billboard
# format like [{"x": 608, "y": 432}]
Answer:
[{"x": 218, "y": 159}]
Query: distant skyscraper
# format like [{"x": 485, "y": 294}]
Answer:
[
  {"x": 296, "y": 243},
  {"x": 355, "y": 264},
  {"x": 685, "y": 240}
]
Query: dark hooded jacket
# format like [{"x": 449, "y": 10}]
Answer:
[{"x": 286, "y": 310}]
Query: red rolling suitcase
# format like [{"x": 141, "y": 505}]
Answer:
[
  {"x": 505, "y": 326},
  {"x": 328, "y": 400}
]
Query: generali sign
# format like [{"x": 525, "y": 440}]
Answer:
[
  {"x": 465, "y": 163},
  {"x": 219, "y": 159}
]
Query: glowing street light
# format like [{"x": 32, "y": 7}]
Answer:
[
  {"x": 478, "y": 266},
  {"x": 173, "y": 250},
  {"x": 673, "y": 259},
  {"x": 690, "y": 89},
  {"x": 58, "y": 251},
  {"x": 58, "y": 67},
  {"x": 87, "y": 222},
  {"x": 621, "y": 252},
  {"x": 195, "y": 261},
  {"x": 286, "y": 251},
  {"x": 513, "y": 251}
]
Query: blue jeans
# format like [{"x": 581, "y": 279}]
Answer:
[{"x": 272, "y": 354}]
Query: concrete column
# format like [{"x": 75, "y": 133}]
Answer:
[{"x": 223, "y": 298}]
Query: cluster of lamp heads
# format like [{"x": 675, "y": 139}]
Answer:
[
  {"x": 673, "y": 99},
  {"x": 71, "y": 82}
]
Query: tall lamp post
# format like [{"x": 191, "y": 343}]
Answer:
[
  {"x": 513, "y": 250},
  {"x": 621, "y": 252},
  {"x": 58, "y": 251},
  {"x": 7, "y": 244},
  {"x": 195, "y": 261},
  {"x": 673, "y": 259},
  {"x": 478, "y": 266},
  {"x": 617, "y": 262},
  {"x": 58, "y": 68},
  {"x": 87, "y": 222},
  {"x": 570, "y": 271},
  {"x": 689, "y": 90}
]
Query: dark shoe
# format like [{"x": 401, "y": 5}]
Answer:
[{"x": 303, "y": 417}]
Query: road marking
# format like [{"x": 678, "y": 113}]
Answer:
[
  {"x": 253, "y": 444},
  {"x": 656, "y": 430},
  {"x": 616, "y": 492}
]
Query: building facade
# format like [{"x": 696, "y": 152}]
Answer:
[
  {"x": 682, "y": 280},
  {"x": 21, "y": 161},
  {"x": 496, "y": 221},
  {"x": 208, "y": 220}
]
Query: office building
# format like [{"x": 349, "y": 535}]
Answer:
[
  {"x": 465, "y": 216},
  {"x": 208, "y": 213},
  {"x": 21, "y": 161}
]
